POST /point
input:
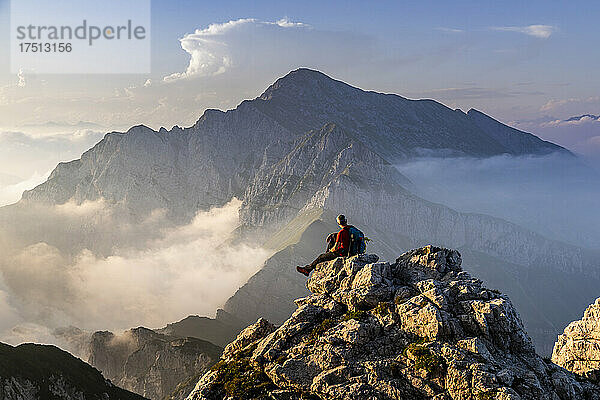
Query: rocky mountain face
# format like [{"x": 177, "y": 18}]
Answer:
[
  {"x": 578, "y": 348},
  {"x": 417, "y": 328},
  {"x": 173, "y": 169},
  {"x": 154, "y": 365},
  {"x": 307, "y": 148},
  {"x": 35, "y": 372}
]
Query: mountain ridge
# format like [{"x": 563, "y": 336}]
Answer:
[{"x": 33, "y": 371}]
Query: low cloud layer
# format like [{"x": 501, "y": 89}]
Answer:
[
  {"x": 553, "y": 195},
  {"x": 574, "y": 124},
  {"x": 28, "y": 159},
  {"x": 11, "y": 192},
  {"x": 170, "y": 273}
]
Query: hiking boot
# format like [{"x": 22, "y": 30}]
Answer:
[{"x": 302, "y": 270}]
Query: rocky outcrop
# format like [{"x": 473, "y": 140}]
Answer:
[
  {"x": 420, "y": 327},
  {"x": 37, "y": 372},
  {"x": 578, "y": 348},
  {"x": 151, "y": 364}
]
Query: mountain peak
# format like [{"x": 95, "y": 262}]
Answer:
[
  {"x": 418, "y": 328},
  {"x": 305, "y": 75},
  {"x": 302, "y": 82}
]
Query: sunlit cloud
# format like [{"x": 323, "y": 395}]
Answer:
[
  {"x": 210, "y": 51},
  {"x": 190, "y": 269}
]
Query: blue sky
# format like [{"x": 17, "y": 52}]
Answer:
[
  {"x": 410, "y": 30},
  {"x": 424, "y": 48},
  {"x": 531, "y": 64}
]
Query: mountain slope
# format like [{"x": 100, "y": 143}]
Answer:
[
  {"x": 215, "y": 331},
  {"x": 515, "y": 141},
  {"x": 33, "y": 371},
  {"x": 417, "y": 328},
  {"x": 150, "y": 363}
]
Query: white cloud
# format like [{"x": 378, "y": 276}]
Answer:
[
  {"x": 30, "y": 156},
  {"x": 211, "y": 52},
  {"x": 449, "y": 30},
  {"x": 184, "y": 270},
  {"x": 581, "y": 120},
  {"x": 538, "y": 31},
  {"x": 286, "y": 23},
  {"x": 10, "y": 194}
]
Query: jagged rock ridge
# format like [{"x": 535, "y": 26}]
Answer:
[
  {"x": 35, "y": 372},
  {"x": 420, "y": 327},
  {"x": 578, "y": 348}
]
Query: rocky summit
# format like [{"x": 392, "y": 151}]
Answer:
[
  {"x": 578, "y": 348},
  {"x": 418, "y": 328}
]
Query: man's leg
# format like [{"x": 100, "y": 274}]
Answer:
[
  {"x": 322, "y": 258},
  {"x": 328, "y": 256}
]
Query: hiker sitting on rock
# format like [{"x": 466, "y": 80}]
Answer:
[{"x": 348, "y": 241}]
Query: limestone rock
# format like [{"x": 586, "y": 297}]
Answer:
[
  {"x": 418, "y": 328},
  {"x": 251, "y": 334},
  {"x": 578, "y": 348}
]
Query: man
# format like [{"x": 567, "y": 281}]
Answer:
[{"x": 340, "y": 247}]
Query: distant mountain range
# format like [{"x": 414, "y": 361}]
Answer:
[
  {"x": 309, "y": 148},
  {"x": 584, "y": 116}
]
